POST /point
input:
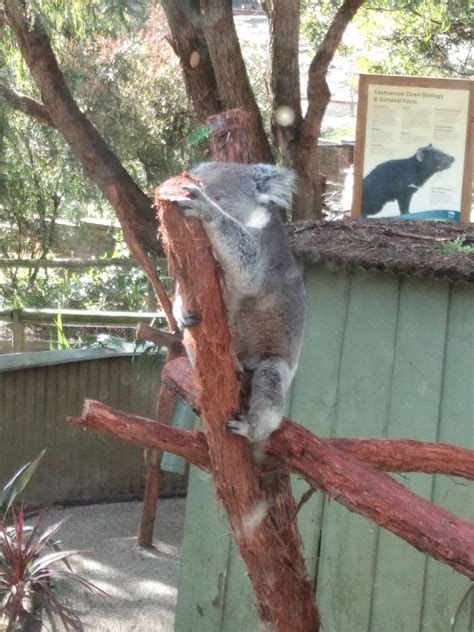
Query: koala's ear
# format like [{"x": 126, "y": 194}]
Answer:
[{"x": 274, "y": 184}]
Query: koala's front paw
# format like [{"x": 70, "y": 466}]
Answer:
[
  {"x": 197, "y": 206},
  {"x": 189, "y": 318}
]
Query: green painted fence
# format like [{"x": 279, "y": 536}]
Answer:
[
  {"x": 38, "y": 390},
  {"x": 384, "y": 356}
]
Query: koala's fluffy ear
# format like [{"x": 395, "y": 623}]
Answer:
[{"x": 274, "y": 184}]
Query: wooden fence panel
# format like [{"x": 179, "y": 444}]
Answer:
[
  {"x": 78, "y": 465},
  {"x": 383, "y": 356}
]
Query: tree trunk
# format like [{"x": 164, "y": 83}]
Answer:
[
  {"x": 284, "y": 19},
  {"x": 231, "y": 74},
  {"x": 189, "y": 44},
  {"x": 268, "y": 542},
  {"x": 100, "y": 163}
]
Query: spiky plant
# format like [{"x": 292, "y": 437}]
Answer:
[
  {"x": 29, "y": 568},
  {"x": 30, "y": 564}
]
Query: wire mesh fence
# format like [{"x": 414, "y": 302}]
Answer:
[{"x": 26, "y": 330}]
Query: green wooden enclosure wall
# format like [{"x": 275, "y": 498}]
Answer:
[
  {"x": 384, "y": 356},
  {"x": 78, "y": 465}
]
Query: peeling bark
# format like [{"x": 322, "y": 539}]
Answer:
[
  {"x": 271, "y": 551},
  {"x": 328, "y": 467}
]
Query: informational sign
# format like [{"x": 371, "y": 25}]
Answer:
[{"x": 413, "y": 148}]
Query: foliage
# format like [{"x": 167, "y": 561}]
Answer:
[
  {"x": 28, "y": 569},
  {"x": 14, "y": 487},
  {"x": 29, "y": 558},
  {"x": 126, "y": 78},
  {"x": 416, "y": 37},
  {"x": 110, "y": 288},
  {"x": 457, "y": 246}
]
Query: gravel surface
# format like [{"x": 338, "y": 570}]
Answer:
[{"x": 142, "y": 584}]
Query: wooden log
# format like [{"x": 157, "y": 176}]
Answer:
[
  {"x": 160, "y": 337},
  {"x": 274, "y": 559},
  {"x": 391, "y": 455},
  {"x": 429, "y": 528},
  {"x": 163, "y": 412}
]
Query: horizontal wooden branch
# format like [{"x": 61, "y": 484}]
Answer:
[
  {"x": 390, "y": 455},
  {"x": 160, "y": 337},
  {"x": 190, "y": 444},
  {"x": 430, "y": 528}
]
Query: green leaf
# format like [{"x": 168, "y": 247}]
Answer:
[{"x": 14, "y": 487}]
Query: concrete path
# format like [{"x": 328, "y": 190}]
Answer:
[{"x": 142, "y": 584}]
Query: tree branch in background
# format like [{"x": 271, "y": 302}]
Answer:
[
  {"x": 188, "y": 42},
  {"x": 284, "y": 19},
  {"x": 27, "y": 105},
  {"x": 307, "y": 200},
  {"x": 231, "y": 73},
  {"x": 133, "y": 208}
]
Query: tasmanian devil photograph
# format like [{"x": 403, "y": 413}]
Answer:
[{"x": 400, "y": 179}]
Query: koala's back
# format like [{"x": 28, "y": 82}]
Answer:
[{"x": 266, "y": 319}]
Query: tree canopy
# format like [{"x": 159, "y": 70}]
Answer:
[{"x": 117, "y": 92}]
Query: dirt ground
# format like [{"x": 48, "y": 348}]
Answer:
[{"x": 142, "y": 584}]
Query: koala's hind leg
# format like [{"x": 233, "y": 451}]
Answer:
[{"x": 269, "y": 385}]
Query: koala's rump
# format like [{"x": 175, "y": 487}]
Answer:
[{"x": 268, "y": 324}]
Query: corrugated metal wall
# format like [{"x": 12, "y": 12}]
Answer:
[
  {"x": 78, "y": 464},
  {"x": 383, "y": 356}
]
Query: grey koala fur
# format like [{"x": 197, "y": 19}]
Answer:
[{"x": 239, "y": 206}]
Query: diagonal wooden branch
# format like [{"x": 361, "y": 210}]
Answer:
[
  {"x": 25, "y": 104},
  {"x": 134, "y": 209},
  {"x": 259, "y": 510},
  {"x": 389, "y": 455},
  {"x": 329, "y": 468}
]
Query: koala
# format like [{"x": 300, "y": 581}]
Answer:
[
  {"x": 239, "y": 207},
  {"x": 400, "y": 179}
]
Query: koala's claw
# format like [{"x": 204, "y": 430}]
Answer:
[
  {"x": 188, "y": 318},
  {"x": 238, "y": 426},
  {"x": 192, "y": 188}
]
